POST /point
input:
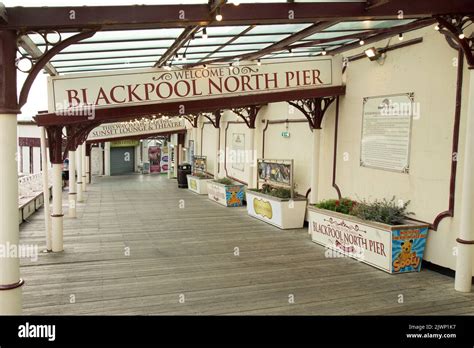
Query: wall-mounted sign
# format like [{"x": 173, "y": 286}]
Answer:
[
  {"x": 285, "y": 134},
  {"x": 124, "y": 143},
  {"x": 386, "y": 131},
  {"x": 151, "y": 86},
  {"x": 120, "y": 130}
]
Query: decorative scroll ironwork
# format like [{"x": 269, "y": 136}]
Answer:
[
  {"x": 452, "y": 27},
  {"x": 313, "y": 109},
  {"x": 192, "y": 119},
  {"x": 248, "y": 114},
  {"x": 214, "y": 117}
]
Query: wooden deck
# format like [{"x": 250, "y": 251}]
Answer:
[{"x": 190, "y": 251}]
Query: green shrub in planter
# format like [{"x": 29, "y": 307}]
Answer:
[
  {"x": 344, "y": 205},
  {"x": 224, "y": 181},
  {"x": 384, "y": 211},
  {"x": 279, "y": 192},
  {"x": 202, "y": 175}
]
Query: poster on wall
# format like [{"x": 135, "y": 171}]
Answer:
[
  {"x": 199, "y": 164},
  {"x": 164, "y": 158},
  {"x": 154, "y": 155},
  {"x": 386, "y": 132},
  {"x": 238, "y": 150}
]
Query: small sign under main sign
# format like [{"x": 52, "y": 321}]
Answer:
[{"x": 285, "y": 134}]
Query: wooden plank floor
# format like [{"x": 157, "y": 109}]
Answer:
[{"x": 186, "y": 253}]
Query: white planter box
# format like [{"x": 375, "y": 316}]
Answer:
[
  {"x": 226, "y": 195},
  {"x": 197, "y": 184},
  {"x": 394, "y": 249},
  {"x": 283, "y": 213}
]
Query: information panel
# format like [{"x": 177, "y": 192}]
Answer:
[{"x": 386, "y": 132}]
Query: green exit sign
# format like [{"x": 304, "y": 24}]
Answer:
[{"x": 285, "y": 134}]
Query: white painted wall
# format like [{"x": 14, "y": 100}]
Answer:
[{"x": 427, "y": 70}]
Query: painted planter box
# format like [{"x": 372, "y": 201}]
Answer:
[
  {"x": 227, "y": 195},
  {"x": 197, "y": 184},
  {"x": 283, "y": 213},
  {"x": 394, "y": 249}
]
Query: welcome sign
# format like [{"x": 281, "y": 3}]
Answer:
[{"x": 151, "y": 86}]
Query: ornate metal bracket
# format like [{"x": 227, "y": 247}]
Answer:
[
  {"x": 452, "y": 28},
  {"x": 214, "y": 118},
  {"x": 60, "y": 144},
  {"x": 39, "y": 63},
  {"x": 313, "y": 109},
  {"x": 192, "y": 119},
  {"x": 248, "y": 114}
]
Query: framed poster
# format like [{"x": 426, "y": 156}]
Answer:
[
  {"x": 154, "y": 156},
  {"x": 238, "y": 150},
  {"x": 386, "y": 132}
]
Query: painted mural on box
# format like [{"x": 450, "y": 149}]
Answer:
[
  {"x": 274, "y": 172},
  {"x": 234, "y": 196},
  {"x": 407, "y": 249}
]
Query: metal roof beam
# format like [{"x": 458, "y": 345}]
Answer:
[
  {"x": 29, "y": 46},
  {"x": 167, "y": 16}
]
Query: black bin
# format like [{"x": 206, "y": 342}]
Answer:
[{"x": 183, "y": 170}]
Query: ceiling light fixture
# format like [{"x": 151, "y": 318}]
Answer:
[
  {"x": 218, "y": 14},
  {"x": 462, "y": 36},
  {"x": 400, "y": 36},
  {"x": 361, "y": 42},
  {"x": 324, "y": 52},
  {"x": 259, "y": 62},
  {"x": 204, "y": 34}
]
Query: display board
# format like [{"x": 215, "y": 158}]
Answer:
[
  {"x": 275, "y": 172},
  {"x": 386, "y": 132},
  {"x": 199, "y": 164}
]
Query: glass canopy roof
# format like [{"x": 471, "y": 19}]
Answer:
[{"x": 129, "y": 49}]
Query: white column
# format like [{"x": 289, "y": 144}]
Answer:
[
  {"x": 176, "y": 161},
  {"x": 107, "y": 159},
  {"x": 10, "y": 298},
  {"x": 84, "y": 165},
  {"x": 79, "y": 191},
  {"x": 57, "y": 215},
  {"x": 463, "y": 280},
  {"x": 313, "y": 197},
  {"x": 101, "y": 164},
  {"x": 88, "y": 170},
  {"x": 216, "y": 163},
  {"x": 170, "y": 154},
  {"x": 251, "y": 160},
  {"x": 44, "y": 166},
  {"x": 72, "y": 184}
]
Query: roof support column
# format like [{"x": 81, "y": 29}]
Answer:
[
  {"x": 46, "y": 193},
  {"x": 55, "y": 153},
  {"x": 72, "y": 184},
  {"x": 80, "y": 190},
  {"x": 10, "y": 281},
  {"x": 107, "y": 158},
  {"x": 465, "y": 240},
  {"x": 88, "y": 163},
  {"x": 314, "y": 110},
  {"x": 83, "y": 167}
]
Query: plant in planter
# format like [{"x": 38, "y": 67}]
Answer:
[
  {"x": 226, "y": 192},
  {"x": 275, "y": 202},
  {"x": 197, "y": 182},
  {"x": 378, "y": 233}
]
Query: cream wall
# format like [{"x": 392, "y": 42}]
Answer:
[
  {"x": 426, "y": 69},
  {"x": 208, "y": 144}
]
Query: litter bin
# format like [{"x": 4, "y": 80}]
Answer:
[{"x": 183, "y": 170}]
